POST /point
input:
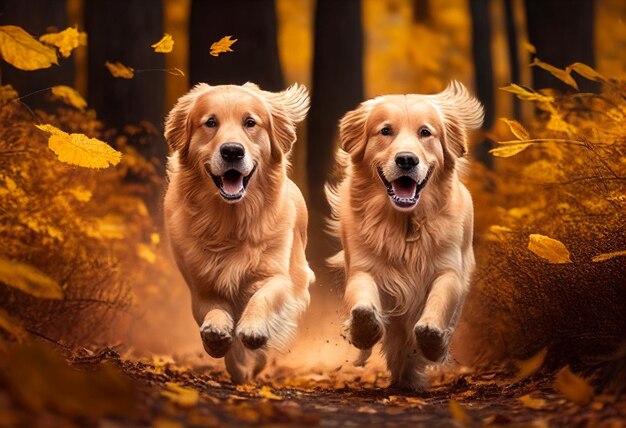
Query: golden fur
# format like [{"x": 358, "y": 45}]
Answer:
[
  {"x": 243, "y": 261},
  {"x": 407, "y": 267}
]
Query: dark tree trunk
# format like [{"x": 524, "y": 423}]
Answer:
[
  {"x": 337, "y": 88},
  {"x": 255, "y": 57},
  {"x": 512, "y": 44},
  {"x": 421, "y": 10},
  {"x": 37, "y": 17},
  {"x": 562, "y": 32},
  {"x": 123, "y": 30}
]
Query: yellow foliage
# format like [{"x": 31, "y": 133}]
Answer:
[
  {"x": 66, "y": 41},
  {"x": 517, "y": 129},
  {"x": 145, "y": 252},
  {"x": 7, "y": 94},
  {"x": 181, "y": 396},
  {"x": 532, "y": 402},
  {"x": 29, "y": 279},
  {"x": 549, "y": 249},
  {"x": 165, "y": 45},
  {"x": 458, "y": 413},
  {"x": 222, "y": 45},
  {"x": 117, "y": 69},
  {"x": 562, "y": 75},
  {"x": 70, "y": 96},
  {"x": 266, "y": 392},
  {"x": 509, "y": 150},
  {"x": 573, "y": 387},
  {"x": 21, "y": 50},
  {"x": 80, "y": 150}
]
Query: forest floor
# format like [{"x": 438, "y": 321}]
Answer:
[{"x": 165, "y": 395}]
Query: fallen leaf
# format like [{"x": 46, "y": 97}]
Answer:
[
  {"x": 29, "y": 279},
  {"x": 118, "y": 69},
  {"x": 181, "y": 396},
  {"x": 81, "y": 194},
  {"x": 608, "y": 256},
  {"x": 458, "y": 413},
  {"x": 532, "y": 402},
  {"x": 516, "y": 128},
  {"x": 366, "y": 409},
  {"x": 266, "y": 392},
  {"x": 509, "y": 150},
  {"x": 529, "y": 367},
  {"x": 573, "y": 387},
  {"x": 80, "y": 150},
  {"x": 165, "y": 45},
  {"x": 549, "y": 249},
  {"x": 23, "y": 51},
  {"x": 66, "y": 41},
  {"x": 223, "y": 45},
  {"x": 562, "y": 75},
  {"x": 11, "y": 326},
  {"x": 70, "y": 96}
]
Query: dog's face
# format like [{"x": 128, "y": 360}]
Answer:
[
  {"x": 230, "y": 132},
  {"x": 403, "y": 141}
]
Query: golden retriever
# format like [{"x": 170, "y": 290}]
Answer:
[
  {"x": 236, "y": 223},
  {"x": 405, "y": 222}
]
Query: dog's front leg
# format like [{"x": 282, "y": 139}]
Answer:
[
  {"x": 433, "y": 330},
  {"x": 365, "y": 325},
  {"x": 215, "y": 317}
]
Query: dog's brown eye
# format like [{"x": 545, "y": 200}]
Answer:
[
  {"x": 385, "y": 131},
  {"x": 250, "y": 123},
  {"x": 424, "y": 132},
  {"x": 211, "y": 123}
]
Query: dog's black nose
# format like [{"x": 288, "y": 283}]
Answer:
[
  {"x": 232, "y": 152},
  {"x": 406, "y": 160}
]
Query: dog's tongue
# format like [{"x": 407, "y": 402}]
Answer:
[
  {"x": 404, "y": 187},
  {"x": 232, "y": 182}
]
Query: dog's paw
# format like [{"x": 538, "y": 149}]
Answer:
[
  {"x": 432, "y": 341},
  {"x": 216, "y": 340},
  {"x": 252, "y": 338},
  {"x": 365, "y": 329}
]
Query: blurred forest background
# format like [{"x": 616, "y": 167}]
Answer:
[{"x": 83, "y": 260}]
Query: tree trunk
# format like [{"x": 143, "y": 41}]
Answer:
[{"x": 255, "y": 57}]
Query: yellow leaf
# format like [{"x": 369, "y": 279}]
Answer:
[
  {"x": 499, "y": 229},
  {"x": 118, "y": 69},
  {"x": 517, "y": 129},
  {"x": 266, "y": 392},
  {"x": 527, "y": 94},
  {"x": 573, "y": 387},
  {"x": 164, "y": 45},
  {"x": 78, "y": 149},
  {"x": 530, "y": 47},
  {"x": 11, "y": 326},
  {"x": 29, "y": 279},
  {"x": 155, "y": 238},
  {"x": 458, "y": 413},
  {"x": 509, "y": 150},
  {"x": 608, "y": 256},
  {"x": 145, "y": 252},
  {"x": 588, "y": 72},
  {"x": 223, "y": 45},
  {"x": 181, "y": 396},
  {"x": 549, "y": 249},
  {"x": 562, "y": 75},
  {"x": 7, "y": 93},
  {"x": 532, "y": 403},
  {"x": 66, "y": 41},
  {"x": 529, "y": 367},
  {"x": 23, "y": 51},
  {"x": 70, "y": 96}
]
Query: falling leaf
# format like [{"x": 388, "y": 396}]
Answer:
[
  {"x": 164, "y": 45},
  {"x": 181, "y": 396},
  {"x": 527, "y": 94},
  {"x": 11, "y": 326},
  {"x": 78, "y": 149},
  {"x": 562, "y": 75},
  {"x": 29, "y": 279},
  {"x": 266, "y": 392},
  {"x": 70, "y": 96},
  {"x": 588, "y": 72},
  {"x": 529, "y": 367},
  {"x": 118, "y": 69},
  {"x": 66, "y": 41},
  {"x": 573, "y": 387},
  {"x": 23, "y": 51},
  {"x": 532, "y": 402},
  {"x": 223, "y": 45},
  {"x": 517, "y": 129},
  {"x": 145, "y": 252},
  {"x": 509, "y": 150},
  {"x": 607, "y": 256},
  {"x": 458, "y": 413},
  {"x": 549, "y": 249}
]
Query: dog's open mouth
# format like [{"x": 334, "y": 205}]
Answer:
[
  {"x": 404, "y": 191},
  {"x": 232, "y": 185}
]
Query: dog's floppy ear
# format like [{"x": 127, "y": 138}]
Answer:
[
  {"x": 287, "y": 108},
  {"x": 352, "y": 131},
  {"x": 460, "y": 113},
  {"x": 177, "y": 124}
]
